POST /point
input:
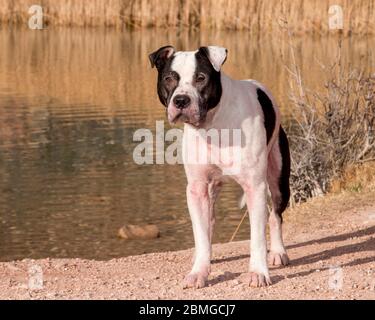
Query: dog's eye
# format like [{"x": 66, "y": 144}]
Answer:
[
  {"x": 168, "y": 79},
  {"x": 200, "y": 77}
]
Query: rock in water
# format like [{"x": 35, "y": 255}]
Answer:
[{"x": 130, "y": 232}]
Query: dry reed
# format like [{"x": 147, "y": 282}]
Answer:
[{"x": 304, "y": 16}]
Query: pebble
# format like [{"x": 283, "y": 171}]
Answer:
[
  {"x": 236, "y": 282},
  {"x": 138, "y": 232}
]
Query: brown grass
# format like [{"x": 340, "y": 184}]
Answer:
[
  {"x": 356, "y": 178},
  {"x": 304, "y": 16}
]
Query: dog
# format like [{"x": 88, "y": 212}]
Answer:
[{"x": 196, "y": 92}]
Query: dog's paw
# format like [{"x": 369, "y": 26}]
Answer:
[
  {"x": 258, "y": 280},
  {"x": 278, "y": 259},
  {"x": 195, "y": 280}
]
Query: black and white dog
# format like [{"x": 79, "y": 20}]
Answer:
[{"x": 194, "y": 90}]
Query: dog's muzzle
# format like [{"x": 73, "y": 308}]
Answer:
[
  {"x": 182, "y": 109},
  {"x": 182, "y": 101}
]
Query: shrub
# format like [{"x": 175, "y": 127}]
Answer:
[{"x": 331, "y": 129}]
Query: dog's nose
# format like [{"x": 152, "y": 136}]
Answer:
[{"x": 181, "y": 101}]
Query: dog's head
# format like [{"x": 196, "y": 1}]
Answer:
[{"x": 189, "y": 82}]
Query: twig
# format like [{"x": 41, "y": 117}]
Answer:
[{"x": 238, "y": 227}]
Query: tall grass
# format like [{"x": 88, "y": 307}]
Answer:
[{"x": 304, "y": 16}]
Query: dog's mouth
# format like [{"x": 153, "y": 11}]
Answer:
[
  {"x": 178, "y": 117},
  {"x": 183, "y": 118}
]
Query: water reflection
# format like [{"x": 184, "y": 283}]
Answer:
[{"x": 70, "y": 101}]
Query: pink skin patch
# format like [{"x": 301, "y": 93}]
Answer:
[
  {"x": 257, "y": 280},
  {"x": 278, "y": 259},
  {"x": 196, "y": 280},
  {"x": 199, "y": 190}
]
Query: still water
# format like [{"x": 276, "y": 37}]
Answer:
[{"x": 70, "y": 101}]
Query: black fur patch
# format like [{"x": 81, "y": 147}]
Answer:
[
  {"x": 160, "y": 56},
  {"x": 210, "y": 90},
  {"x": 285, "y": 172},
  {"x": 268, "y": 112},
  {"x": 168, "y": 81}
]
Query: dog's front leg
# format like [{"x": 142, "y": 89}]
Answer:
[
  {"x": 256, "y": 198},
  {"x": 200, "y": 212}
]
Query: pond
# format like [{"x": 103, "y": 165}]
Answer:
[{"x": 70, "y": 102}]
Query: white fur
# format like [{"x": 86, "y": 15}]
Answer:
[
  {"x": 217, "y": 56},
  {"x": 240, "y": 96},
  {"x": 239, "y": 108},
  {"x": 184, "y": 63}
]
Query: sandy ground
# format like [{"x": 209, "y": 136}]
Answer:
[{"x": 331, "y": 243}]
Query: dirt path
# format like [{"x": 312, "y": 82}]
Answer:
[{"x": 331, "y": 243}]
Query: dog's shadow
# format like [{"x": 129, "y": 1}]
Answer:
[
  {"x": 367, "y": 245},
  {"x": 227, "y": 276}
]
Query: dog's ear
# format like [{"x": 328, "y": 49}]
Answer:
[
  {"x": 158, "y": 58},
  {"x": 216, "y": 55}
]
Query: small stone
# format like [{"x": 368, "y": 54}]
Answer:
[{"x": 130, "y": 232}]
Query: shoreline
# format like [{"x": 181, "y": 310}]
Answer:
[{"x": 331, "y": 252}]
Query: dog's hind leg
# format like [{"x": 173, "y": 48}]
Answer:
[{"x": 278, "y": 181}]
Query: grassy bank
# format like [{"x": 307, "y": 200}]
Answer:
[{"x": 304, "y": 16}]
